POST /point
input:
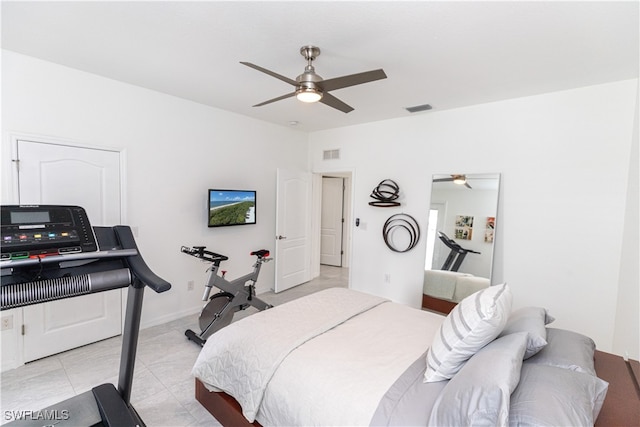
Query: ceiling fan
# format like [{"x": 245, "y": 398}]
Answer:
[
  {"x": 456, "y": 179},
  {"x": 310, "y": 87}
]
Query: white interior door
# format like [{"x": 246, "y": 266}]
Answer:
[
  {"x": 293, "y": 229},
  {"x": 332, "y": 221},
  {"x": 69, "y": 175}
]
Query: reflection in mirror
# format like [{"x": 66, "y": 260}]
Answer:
[{"x": 460, "y": 238}]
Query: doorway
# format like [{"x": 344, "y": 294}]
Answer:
[
  {"x": 332, "y": 221},
  {"x": 327, "y": 208},
  {"x": 312, "y": 216}
]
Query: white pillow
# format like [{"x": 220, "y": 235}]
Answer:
[{"x": 471, "y": 325}]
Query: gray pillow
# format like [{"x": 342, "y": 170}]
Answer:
[
  {"x": 531, "y": 320},
  {"x": 478, "y": 395},
  {"x": 568, "y": 350},
  {"x": 550, "y": 396}
]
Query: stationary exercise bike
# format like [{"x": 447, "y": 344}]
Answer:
[{"x": 234, "y": 295}]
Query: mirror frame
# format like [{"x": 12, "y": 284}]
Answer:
[{"x": 467, "y": 229}]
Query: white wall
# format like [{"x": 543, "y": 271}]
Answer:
[
  {"x": 175, "y": 150},
  {"x": 564, "y": 160}
]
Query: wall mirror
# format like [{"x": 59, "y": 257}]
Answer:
[{"x": 460, "y": 238}]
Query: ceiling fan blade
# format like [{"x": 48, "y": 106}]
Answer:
[
  {"x": 352, "y": 80},
  {"x": 271, "y": 73},
  {"x": 466, "y": 184},
  {"x": 443, "y": 180},
  {"x": 334, "y": 102},
  {"x": 289, "y": 95}
]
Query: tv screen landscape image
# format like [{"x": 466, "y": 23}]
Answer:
[{"x": 231, "y": 207}]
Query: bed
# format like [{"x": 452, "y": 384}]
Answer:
[
  {"x": 442, "y": 289},
  {"x": 341, "y": 357}
]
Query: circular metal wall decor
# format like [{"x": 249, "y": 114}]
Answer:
[
  {"x": 401, "y": 223},
  {"x": 386, "y": 194}
]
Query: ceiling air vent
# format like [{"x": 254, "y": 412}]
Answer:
[
  {"x": 331, "y": 154},
  {"x": 417, "y": 108}
]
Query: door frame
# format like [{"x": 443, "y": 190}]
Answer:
[
  {"x": 441, "y": 208},
  {"x": 14, "y": 198},
  {"x": 316, "y": 208}
]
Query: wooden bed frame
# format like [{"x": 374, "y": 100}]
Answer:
[
  {"x": 223, "y": 407},
  {"x": 436, "y": 304},
  {"x": 621, "y": 406}
]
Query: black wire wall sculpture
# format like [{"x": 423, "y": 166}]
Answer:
[
  {"x": 386, "y": 194},
  {"x": 401, "y": 222}
]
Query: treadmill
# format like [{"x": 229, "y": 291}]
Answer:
[
  {"x": 456, "y": 255},
  {"x": 51, "y": 252}
]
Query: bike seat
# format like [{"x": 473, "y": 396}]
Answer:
[{"x": 260, "y": 253}]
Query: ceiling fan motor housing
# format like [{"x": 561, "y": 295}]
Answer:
[
  {"x": 309, "y": 88},
  {"x": 309, "y": 79}
]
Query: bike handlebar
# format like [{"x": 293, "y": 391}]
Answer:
[{"x": 200, "y": 252}]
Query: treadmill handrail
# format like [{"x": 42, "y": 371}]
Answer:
[
  {"x": 136, "y": 263},
  {"x": 68, "y": 258},
  {"x": 453, "y": 245}
]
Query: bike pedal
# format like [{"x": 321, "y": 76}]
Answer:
[{"x": 192, "y": 336}]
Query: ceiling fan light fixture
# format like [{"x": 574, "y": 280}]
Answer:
[
  {"x": 459, "y": 179},
  {"x": 308, "y": 94}
]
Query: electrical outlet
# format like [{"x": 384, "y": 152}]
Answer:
[
  {"x": 190, "y": 285},
  {"x": 387, "y": 278},
  {"x": 7, "y": 322}
]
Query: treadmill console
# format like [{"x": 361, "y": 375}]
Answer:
[{"x": 35, "y": 231}]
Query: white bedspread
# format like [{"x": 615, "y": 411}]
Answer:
[
  {"x": 339, "y": 378},
  {"x": 241, "y": 358},
  {"x": 323, "y": 359}
]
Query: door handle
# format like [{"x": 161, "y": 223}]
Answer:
[{"x": 281, "y": 237}]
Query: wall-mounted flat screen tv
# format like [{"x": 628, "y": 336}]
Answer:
[{"x": 231, "y": 207}]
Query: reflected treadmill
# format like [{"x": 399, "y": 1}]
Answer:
[
  {"x": 457, "y": 253},
  {"x": 52, "y": 252}
]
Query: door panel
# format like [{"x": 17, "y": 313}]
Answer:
[
  {"x": 331, "y": 221},
  {"x": 61, "y": 325},
  {"x": 59, "y": 174},
  {"x": 293, "y": 229}
]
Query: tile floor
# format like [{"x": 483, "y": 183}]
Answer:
[{"x": 163, "y": 388}]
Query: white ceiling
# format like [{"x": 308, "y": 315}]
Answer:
[{"x": 445, "y": 53}]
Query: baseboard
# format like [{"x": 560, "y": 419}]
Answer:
[{"x": 169, "y": 317}]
